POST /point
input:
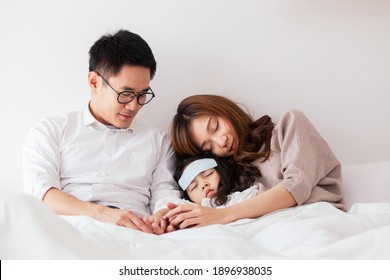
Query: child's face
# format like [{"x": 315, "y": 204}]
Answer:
[{"x": 204, "y": 185}]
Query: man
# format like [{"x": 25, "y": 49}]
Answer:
[{"x": 103, "y": 162}]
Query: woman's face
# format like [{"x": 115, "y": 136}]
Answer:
[
  {"x": 204, "y": 185},
  {"x": 214, "y": 134}
]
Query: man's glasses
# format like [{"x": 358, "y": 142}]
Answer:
[{"x": 126, "y": 96}]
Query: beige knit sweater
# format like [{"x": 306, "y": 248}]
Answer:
[{"x": 302, "y": 162}]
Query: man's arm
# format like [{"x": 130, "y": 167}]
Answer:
[
  {"x": 41, "y": 167},
  {"x": 163, "y": 187},
  {"x": 66, "y": 204}
]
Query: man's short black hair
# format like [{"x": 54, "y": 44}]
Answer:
[{"x": 111, "y": 52}]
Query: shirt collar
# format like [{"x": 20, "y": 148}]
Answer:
[{"x": 89, "y": 119}]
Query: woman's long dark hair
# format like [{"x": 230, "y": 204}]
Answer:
[
  {"x": 254, "y": 135},
  {"x": 231, "y": 177}
]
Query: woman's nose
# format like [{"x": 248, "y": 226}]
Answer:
[{"x": 221, "y": 140}]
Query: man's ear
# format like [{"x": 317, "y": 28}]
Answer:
[{"x": 93, "y": 79}]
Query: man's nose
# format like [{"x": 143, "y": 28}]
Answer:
[{"x": 133, "y": 105}]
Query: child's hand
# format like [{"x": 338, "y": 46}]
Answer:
[{"x": 158, "y": 224}]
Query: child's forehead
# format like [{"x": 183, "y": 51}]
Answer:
[
  {"x": 195, "y": 168},
  {"x": 204, "y": 171}
]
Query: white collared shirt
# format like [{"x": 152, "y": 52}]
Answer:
[{"x": 127, "y": 168}]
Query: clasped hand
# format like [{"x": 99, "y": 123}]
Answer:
[
  {"x": 167, "y": 220},
  {"x": 154, "y": 224},
  {"x": 194, "y": 215}
]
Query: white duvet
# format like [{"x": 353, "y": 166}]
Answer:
[{"x": 28, "y": 230}]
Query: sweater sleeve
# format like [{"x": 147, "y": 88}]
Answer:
[{"x": 311, "y": 171}]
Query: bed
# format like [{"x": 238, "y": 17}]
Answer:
[{"x": 28, "y": 230}]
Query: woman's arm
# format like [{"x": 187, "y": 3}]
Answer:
[{"x": 193, "y": 215}]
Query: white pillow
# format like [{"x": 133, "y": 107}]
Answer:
[{"x": 366, "y": 183}]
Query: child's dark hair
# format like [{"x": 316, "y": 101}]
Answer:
[{"x": 232, "y": 178}]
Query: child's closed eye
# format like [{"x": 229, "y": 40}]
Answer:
[
  {"x": 208, "y": 172},
  {"x": 192, "y": 187}
]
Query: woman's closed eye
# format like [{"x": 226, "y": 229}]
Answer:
[{"x": 215, "y": 126}]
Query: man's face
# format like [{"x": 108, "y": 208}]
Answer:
[{"x": 104, "y": 105}]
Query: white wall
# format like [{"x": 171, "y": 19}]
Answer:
[{"x": 329, "y": 58}]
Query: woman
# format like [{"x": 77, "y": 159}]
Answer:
[{"x": 290, "y": 159}]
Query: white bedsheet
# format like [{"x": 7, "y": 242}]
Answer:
[{"x": 28, "y": 230}]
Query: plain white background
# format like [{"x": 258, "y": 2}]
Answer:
[{"x": 330, "y": 59}]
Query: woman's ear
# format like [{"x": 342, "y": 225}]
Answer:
[{"x": 93, "y": 79}]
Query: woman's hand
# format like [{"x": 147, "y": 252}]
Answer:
[{"x": 194, "y": 215}]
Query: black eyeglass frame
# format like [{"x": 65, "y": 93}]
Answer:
[{"x": 130, "y": 93}]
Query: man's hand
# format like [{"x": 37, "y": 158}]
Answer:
[{"x": 124, "y": 218}]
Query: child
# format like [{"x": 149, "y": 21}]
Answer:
[
  {"x": 213, "y": 182},
  {"x": 210, "y": 181}
]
